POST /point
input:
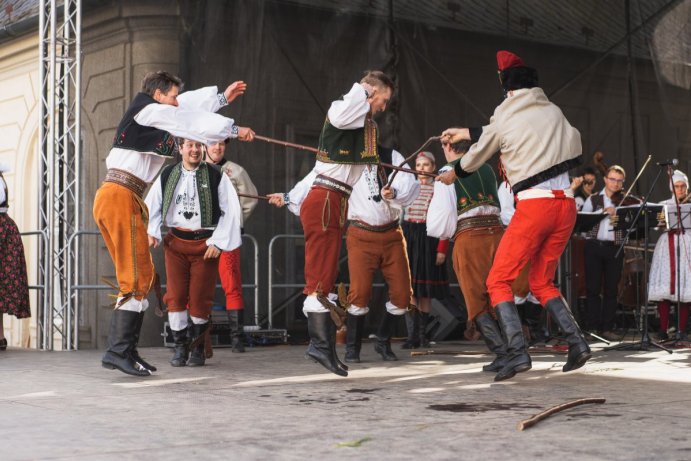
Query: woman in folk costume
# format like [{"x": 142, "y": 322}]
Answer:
[
  {"x": 426, "y": 256},
  {"x": 662, "y": 285},
  {"x": 538, "y": 147},
  {"x": 14, "y": 288}
]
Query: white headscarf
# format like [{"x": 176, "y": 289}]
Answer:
[
  {"x": 4, "y": 167},
  {"x": 679, "y": 176}
]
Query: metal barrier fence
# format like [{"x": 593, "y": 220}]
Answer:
[
  {"x": 74, "y": 287},
  {"x": 272, "y": 285}
]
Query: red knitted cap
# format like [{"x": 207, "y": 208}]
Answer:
[{"x": 506, "y": 60}]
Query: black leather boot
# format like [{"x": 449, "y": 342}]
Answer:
[
  {"x": 121, "y": 341},
  {"x": 579, "y": 351},
  {"x": 382, "y": 345},
  {"x": 236, "y": 323},
  {"x": 135, "y": 354},
  {"x": 355, "y": 325},
  {"x": 181, "y": 352},
  {"x": 198, "y": 354},
  {"x": 412, "y": 323},
  {"x": 491, "y": 334},
  {"x": 320, "y": 348},
  {"x": 424, "y": 320},
  {"x": 518, "y": 359}
]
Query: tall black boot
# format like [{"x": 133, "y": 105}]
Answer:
[
  {"x": 320, "y": 348},
  {"x": 383, "y": 342},
  {"x": 495, "y": 343},
  {"x": 135, "y": 354},
  {"x": 355, "y": 325},
  {"x": 518, "y": 359},
  {"x": 181, "y": 352},
  {"x": 121, "y": 341},
  {"x": 197, "y": 354},
  {"x": 412, "y": 323},
  {"x": 236, "y": 323},
  {"x": 579, "y": 351},
  {"x": 424, "y": 320}
]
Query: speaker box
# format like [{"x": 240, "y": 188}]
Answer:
[{"x": 446, "y": 316}]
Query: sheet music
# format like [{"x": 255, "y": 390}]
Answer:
[{"x": 672, "y": 217}]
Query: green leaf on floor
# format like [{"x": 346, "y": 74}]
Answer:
[{"x": 353, "y": 443}]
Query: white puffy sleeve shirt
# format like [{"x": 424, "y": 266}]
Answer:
[{"x": 194, "y": 119}]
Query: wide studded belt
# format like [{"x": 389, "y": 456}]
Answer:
[
  {"x": 127, "y": 180},
  {"x": 475, "y": 222},
  {"x": 332, "y": 184},
  {"x": 192, "y": 235},
  {"x": 372, "y": 228}
]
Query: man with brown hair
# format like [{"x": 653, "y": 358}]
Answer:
[
  {"x": 347, "y": 145},
  {"x": 143, "y": 141}
]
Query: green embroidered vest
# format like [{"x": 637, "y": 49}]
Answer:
[
  {"x": 357, "y": 146},
  {"x": 208, "y": 179},
  {"x": 480, "y": 188}
]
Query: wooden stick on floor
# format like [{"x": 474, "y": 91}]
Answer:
[{"x": 533, "y": 420}]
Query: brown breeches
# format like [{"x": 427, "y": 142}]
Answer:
[
  {"x": 473, "y": 254},
  {"x": 386, "y": 251},
  {"x": 191, "y": 278},
  {"x": 122, "y": 218},
  {"x": 323, "y": 215}
]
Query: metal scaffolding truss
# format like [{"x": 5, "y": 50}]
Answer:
[{"x": 59, "y": 145}]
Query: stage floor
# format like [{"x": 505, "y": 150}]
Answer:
[{"x": 270, "y": 403}]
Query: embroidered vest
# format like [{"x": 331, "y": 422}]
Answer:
[
  {"x": 599, "y": 204},
  {"x": 480, "y": 188},
  {"x": 133, "y": 136},
  {"x": 357, "y": 146},
  {"x": 208, "y": 179}
]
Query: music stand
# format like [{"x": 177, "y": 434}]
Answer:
[
  {"x": 678, "y": 217},
  {"x": 645, "y": 210},
  {"x": 585, "y": 221}
]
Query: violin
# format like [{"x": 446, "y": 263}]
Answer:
[{"x": 620, "y": 199}]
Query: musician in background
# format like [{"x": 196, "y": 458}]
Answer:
[
  {"x": 603, "y": 266},
  {"x": 662, "y": 285},
  {"x": 586, "y": 188}
]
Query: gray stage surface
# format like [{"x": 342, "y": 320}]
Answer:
[{"x": 271, "y": 403}]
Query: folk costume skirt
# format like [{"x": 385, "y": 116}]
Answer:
[
  {"x": 14, "y": 288},
  {"x": 428, "y": 280}
]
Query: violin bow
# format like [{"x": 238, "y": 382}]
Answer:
[{"x": 628, "y": 191}]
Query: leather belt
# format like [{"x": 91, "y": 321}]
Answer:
[
  {"x": 372, "y": 228},
  {"x": 127, "y": 180},
  {"x": 474, "y": 222},
  {"x": 332, "y": 184},
  {"x": 192, "y": 235}
]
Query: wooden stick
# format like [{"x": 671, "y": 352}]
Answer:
[
  {"x": 537, "y": 350},
  {"x": 526, "y": 423},
  {"x": 387, "y": 165},
  {"x": 412, "y": 156},
  {"x": 408, "y": 170},
  {"x": 258, "y": 197}
]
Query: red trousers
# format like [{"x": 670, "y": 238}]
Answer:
[
  {"x": 191, "y": 279},
  {"x": 323, "y": 216},
  {"x": 231, "y": 279},
  {"x": 538, "y": 232},
  {"x": 663, "y": 308}
]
